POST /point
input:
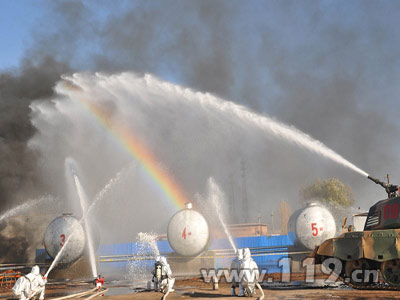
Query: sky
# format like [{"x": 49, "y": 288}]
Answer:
[{"x": 17, "y": 19}]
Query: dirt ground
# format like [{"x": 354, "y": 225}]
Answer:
[
  {"x": 223, "y": 292},
  {"x": 275, "y": 295},
  {"x": 197, "y": 289}
]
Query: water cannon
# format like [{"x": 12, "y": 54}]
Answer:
[{"x": 391, "y": 189}]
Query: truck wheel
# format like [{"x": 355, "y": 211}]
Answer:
[
  {"x": 391, "y": 272},
  {"x": 356, "y": 271}
]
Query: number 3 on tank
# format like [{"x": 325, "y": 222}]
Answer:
[{"x": 62, "y": 240}]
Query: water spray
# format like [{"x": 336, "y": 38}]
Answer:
[
  {"x": 138, "y": 273},
  {"x": 85, "y": 213},
  {"x": 110, "y": 184},
  {"x": 216, "y": 196},
  {"x": 24, "y": 206},
  {"x": 140, "y": 85},
  {"x": 57, "y": 258},
  {"x": 62, "y": 249},
  {"x": 83, "y": 202},
  {"x": 264, "y": 122}
]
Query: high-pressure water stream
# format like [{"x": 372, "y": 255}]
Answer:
[
  {"x": 216, "y": 197},
  {"x": 89, "y": 236},
  {"x": 85, "y": 213}
]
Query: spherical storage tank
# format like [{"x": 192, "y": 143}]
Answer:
[
  {"x": 58, "y": 232},
  {"x": 188, "y": 232},
  {"x": 312, "y": 225}
]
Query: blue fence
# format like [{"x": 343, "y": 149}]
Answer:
[{"x": 268, "y": 250}]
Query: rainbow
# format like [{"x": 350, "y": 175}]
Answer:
[{"x": 163, "y": 180}]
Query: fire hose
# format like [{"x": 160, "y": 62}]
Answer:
[{"x": 81, "y": 294}]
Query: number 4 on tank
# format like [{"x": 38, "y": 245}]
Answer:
[{"x": 184, "y": 233}]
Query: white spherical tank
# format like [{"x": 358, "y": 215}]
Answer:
[
  {"x": 312, "y": 225},
  {"x": 58, "y": 232},
  {"x": 188, "y": 232}
]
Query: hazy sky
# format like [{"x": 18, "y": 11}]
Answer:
[{"x": 16, "y": 21}]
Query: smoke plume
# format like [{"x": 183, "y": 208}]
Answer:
[{"x": 18, "y": 174}]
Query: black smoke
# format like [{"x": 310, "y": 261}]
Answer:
[
  {"x": 19, "y": 176},
  {"x": 14, "y": 249},
  {"x": 15, "y": 240},
  {"x": 19, "y": 180}
]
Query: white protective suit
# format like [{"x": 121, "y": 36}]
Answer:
[
  {"x": 250, "y": 274},
  {"x": 30, "y": 286},
  {"x": 165, "y": 282},
  {"x": 235, "y": 267}
]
